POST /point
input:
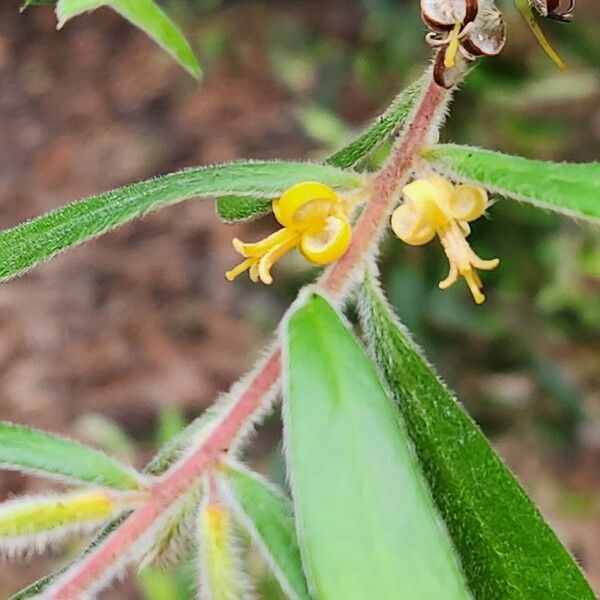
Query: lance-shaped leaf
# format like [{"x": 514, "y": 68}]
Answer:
[
  {"x": 30, "y": 243},
  {"x": 33, "y": 451},
  {"x": 506, "y": 548},
  {"x": 173, "y": 535},
  {"x": 234, "y": 209},
  {"x": 35, "y": 589},
  {"x": 31, "y": 524},
  {"x": 568, "y": 188},
  {"x": 367, "y": 527},
  {"x": 267, "y": 516},
  {"x": 383, "y": 128},
  {"x": 146, "y": 15},
  {"x": 237, "y": 209},
  {"x": 221, "y": 569}
]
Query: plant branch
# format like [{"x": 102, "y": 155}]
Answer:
[{"x": 336, "y": 281}]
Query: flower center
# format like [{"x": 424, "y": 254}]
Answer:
[
  {"x": 314, "y": 219},
  {"x": 433, "y": 206}
]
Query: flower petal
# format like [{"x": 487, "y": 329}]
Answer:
[
  {"x": 468, "y": 203},
  {"x": 303, "y": 203},
  {"x": 443, "y": 14},
  {"x": 410, "y": 226},
  {"x": 328, "y": 244}
]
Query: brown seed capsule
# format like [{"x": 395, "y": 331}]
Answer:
[
  {"x": 552, "y": 9},
  {"x": 442, "y": 15},
  {"x": 487, "y": 35},
  {"x": 448, "y": 77}
]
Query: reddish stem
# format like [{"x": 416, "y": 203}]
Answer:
[
  {"x": 385, "y": 187},
  {"x": 78, "y": 580}
]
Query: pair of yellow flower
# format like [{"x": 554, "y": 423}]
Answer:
[{"x": 315, "y": 220}]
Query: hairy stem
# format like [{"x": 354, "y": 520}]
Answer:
[
  {"x": 373, "y": 220},
  {"x": 116, "y": 550}
]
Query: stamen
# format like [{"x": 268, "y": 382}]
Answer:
[
  {"x": 451, "y": 278},
  {"x": 253, "y": 273},
  {"x": 463, "y": 261},
  {"x": 450, "y": 57},
  {"x": 475, "y": 285},
  {"x": 272, "y": 256},
  {"x": 249, "y": 263},
  {"x": 259, "y": 248}
]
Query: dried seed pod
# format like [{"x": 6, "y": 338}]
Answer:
[
  {"x": 448, "y": 77},
  {"x": 442, "y": 15},
  {"x": 552, "y": 9},
  {"x": 487, "y": 35}
]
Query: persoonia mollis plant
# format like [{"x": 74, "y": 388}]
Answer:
[{"x": 395, "y": 492}]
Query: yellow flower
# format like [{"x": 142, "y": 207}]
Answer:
[
  {"x": 314, "y": 219},
  {"x": 433, "y": 206}
]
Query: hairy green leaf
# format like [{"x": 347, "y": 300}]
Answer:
[
  {"x": 146, "y": 15},
  {"x": 151, "y": 19},
  {"x": 67, "y": 9},
  {"x": 506, "y": 548},
  {"x": 234, "y": 209},
  {"x": 35, "y": 589},
  {"x": 268, "y": 517},
  {"x": 569, "y": 188},
  {"x": 385, "y": 126},
  {"x": 33, "y": 451},
  {"x": 367, "y": 527},
  {"x": 28, "y": 244},
  {"x": 32, "y": 523}
]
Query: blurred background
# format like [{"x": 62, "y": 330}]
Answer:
[{"x": 123, "y": 340}]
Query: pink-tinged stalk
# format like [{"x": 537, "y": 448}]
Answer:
[
  {"x": 385, "y": 186},
  {"x": 83, "y": 576}
]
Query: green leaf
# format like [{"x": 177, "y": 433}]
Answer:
[
  {"x": 569, "y": 188},
  {"x": 151, "y": 19},
  {"x": 67, "y": 9},
  {"x": 387, "y": 124},
  {"x": 366, "y": 525},
  {"x": 37, "y": 240},
  {"x": 234, "y": 209},
  {"x": 506, "y": 548},
  {"x": 32, "y": 523},
  {"x": 146, "y": 15},
  {"x": 268, "y": 517},
  {"x": 35, "y": 589},
  {"x": 33, "y": 451}
]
